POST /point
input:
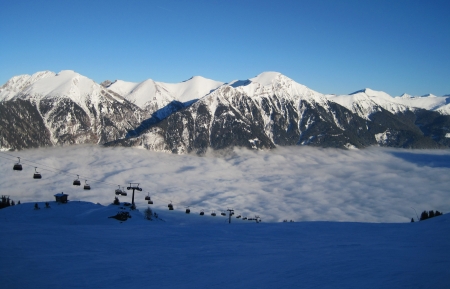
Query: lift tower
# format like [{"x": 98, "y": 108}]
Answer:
[
  {"x": 133, "y": 186},
  {"x": 230, "y": 213}
]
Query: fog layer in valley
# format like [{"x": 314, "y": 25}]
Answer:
[{"x": 294, "y": 183}]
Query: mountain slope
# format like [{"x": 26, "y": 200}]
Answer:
[
  {"x": 73, "y": 109},
  {"x": 272, "y": 109}
]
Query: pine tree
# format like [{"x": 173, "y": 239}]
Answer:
[
  {"x": 424, "y": 216},
  {"x": 148, "y": 213}
]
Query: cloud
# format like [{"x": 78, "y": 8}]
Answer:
[{"x": 298, "y": 183}]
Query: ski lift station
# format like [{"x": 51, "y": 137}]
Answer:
[{"x": 61, "y": 197}]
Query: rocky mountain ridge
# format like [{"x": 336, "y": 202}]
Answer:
[{"x": 48, "y": 109}]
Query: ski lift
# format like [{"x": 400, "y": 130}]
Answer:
[
  {"x": 118, "y": 191},
  {"x": 223, "y": 214},
  {"x": 244, "y": 218},
  {"x": 188, "y": 210},
  {"x": 77, "y": 182},
  {"x": 170, "y": 206},
  {"x": 36, "y": 174},
  {"x": 238, "y": 216},
  {"x": 202, "y": 213},
  {"x": 17, "y": 166},
  {"x": 213, "y": 214},
  {"x": 86, "y": 185},
  {"x": 123, "y": 192},
  {"x": 150, "y": 202}
]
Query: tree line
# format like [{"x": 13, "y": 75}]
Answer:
[{"x": 6, "y": 202}]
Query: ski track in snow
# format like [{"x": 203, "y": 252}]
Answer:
[{"x": 298, "y": 183}]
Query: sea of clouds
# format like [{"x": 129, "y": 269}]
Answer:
[{"x": 293, "y": 183}]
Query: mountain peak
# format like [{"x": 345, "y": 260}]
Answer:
[
  {"x": 372, "y": 93},
  {"x": 428, "y": 95},
  {"x": 266, "y": 78},
  {"x": 405, "y": 95}
]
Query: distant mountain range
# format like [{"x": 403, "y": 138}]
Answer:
[{"x": 269, "y": 110}]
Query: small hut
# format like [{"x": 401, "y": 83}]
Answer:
[{"x": 61, "y": 197}]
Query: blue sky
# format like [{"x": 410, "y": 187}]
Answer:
[{"x": 330, "y": 46}]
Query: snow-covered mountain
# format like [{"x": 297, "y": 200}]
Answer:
[
  {"x": 63, "y": 108},
  {"x": 262, "y": 112},
  {"x": 159, "y": 94},
  {"x": 367, "y": 101},
  {"x": 272, "y": 109}
]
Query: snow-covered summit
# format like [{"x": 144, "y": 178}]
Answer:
[
  {"x": 274, "y": 83},
  {"x": 46, "y": 84},
  {"x": 152, "y": 92},
  {"x": 17, "y": 83},
  {"x": 405, "y": 95},
  {"x": 366, "y": 101}
]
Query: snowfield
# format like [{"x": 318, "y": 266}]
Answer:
[{"x": 76, "y": 245}]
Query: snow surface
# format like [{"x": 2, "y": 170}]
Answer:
[{"x": 76, "y": 245}]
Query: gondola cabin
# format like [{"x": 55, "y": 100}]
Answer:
[
  {"x": 77, "y": 182},
  {"x": 86, "y": 185},
  {"x": 17, "y": 166},
  {"x": 61, "y": 198},
  {"x": 36, "y": 174}
]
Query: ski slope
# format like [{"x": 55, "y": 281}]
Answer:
[{"x": 76, "y": 245}]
